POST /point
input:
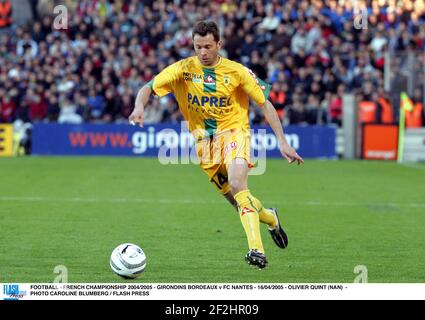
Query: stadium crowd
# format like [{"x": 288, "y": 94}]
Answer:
[{"x": 310, "y": 50}]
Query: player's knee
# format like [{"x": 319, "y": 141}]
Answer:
[{"x": 236, "y": 185}]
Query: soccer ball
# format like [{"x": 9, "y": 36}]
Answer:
[{"x": 128, "y": 260}]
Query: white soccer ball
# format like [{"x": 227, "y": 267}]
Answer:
[{"x": 128, "y": 260}]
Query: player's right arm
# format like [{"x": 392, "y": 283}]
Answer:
[
  {"x": 137, "y": 116},
  {"x": 161, "y": 85}
]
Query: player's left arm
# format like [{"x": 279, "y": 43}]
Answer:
[
  {"x": 286, "y": 150},
  {"x": 258, "y": 91}
]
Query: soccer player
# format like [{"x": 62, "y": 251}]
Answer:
[{"x": 212, "y": 93}]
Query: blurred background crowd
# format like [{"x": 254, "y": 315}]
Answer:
[{"x": 311, "y": 51}]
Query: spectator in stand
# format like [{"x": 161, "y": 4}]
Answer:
[
  {"x": 296, "y": 112},
  {"x": 335, "y": 106},
  {"x": 96, "y": 103},
  {"x": 277, "y": 96},
  {"x": 7, "y": 108},
  {"x": 68, "y": 112},
  {"x": 53, "y": 109},
  {"x": 5, "y": 15},
  {"x": 315, "y": 113}
]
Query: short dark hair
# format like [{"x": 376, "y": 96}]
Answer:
[{"x": 204, "y": 27}]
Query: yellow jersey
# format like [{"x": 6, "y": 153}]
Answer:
[{"x": 212, "y": 99}]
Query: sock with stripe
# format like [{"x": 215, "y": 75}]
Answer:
[
  {"x": 249, "y": 215},
  {"x": 266, "y": 215}
]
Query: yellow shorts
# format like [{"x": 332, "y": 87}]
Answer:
[{"x": 217, "y": 152}]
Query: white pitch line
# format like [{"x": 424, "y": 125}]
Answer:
[
  {"x": 193, "y": 201},
  {"x": 413, "y": 166}
]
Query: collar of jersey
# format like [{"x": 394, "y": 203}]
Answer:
[{"x": 211, "y": 67}]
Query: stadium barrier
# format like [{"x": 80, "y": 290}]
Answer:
[
  {"x": 414, "y": 145},
  {"x": 126, "y": 140},
  {"x": 6, "y": 140},
  {"x": 379, "y": 141}
]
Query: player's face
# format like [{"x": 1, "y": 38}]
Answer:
[{"x": 206, "y": 49}]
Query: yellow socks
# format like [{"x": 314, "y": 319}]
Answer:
[{"x": 251, "y": 212}]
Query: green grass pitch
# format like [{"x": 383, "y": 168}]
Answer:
[{"x": 338, "y": 215}]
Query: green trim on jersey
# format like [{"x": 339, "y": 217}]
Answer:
[
  {"x": 210, "y": 87},
  {"x": 268, "y": 87},
  {"x": 150, "y": 83},
  {"x": 210, "y": 127}
]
